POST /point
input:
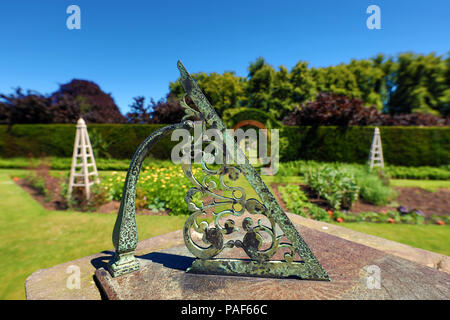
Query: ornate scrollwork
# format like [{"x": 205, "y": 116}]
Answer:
[
  {"x": 190, "y": 112},
  {"x": 234, "y": 199},
  {"x": 236, "y": 203}
]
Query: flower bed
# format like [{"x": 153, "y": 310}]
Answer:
[{"x": 296, "y": 201}]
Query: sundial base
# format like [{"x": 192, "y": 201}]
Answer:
[
  {"x": 163, "y": 275},
  {"x": 246, "y": 268},
  {"x": 124, "y": 264}
]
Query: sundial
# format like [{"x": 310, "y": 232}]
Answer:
[{"x": 297, "y": 261}]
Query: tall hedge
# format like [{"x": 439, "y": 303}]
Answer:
[
  {"x": 405, "y": 146},
  {"x": 58, "y": 140}
]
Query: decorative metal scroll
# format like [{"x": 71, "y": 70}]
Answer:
[{"x": 259, "y": 261}]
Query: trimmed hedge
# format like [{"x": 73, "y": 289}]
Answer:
[
  {"x": 58, "y": 139},
  {"x": 402, "y": 146}
]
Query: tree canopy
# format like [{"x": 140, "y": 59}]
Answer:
[
  {"x": 408, "y": 83},
  {"x": 78, "y": 98},
  {"x": 401, "y": 85}
]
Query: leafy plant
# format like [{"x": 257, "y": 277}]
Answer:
[
  {"x": 441, "y": 220},
  {"x": 297, "y": 202},
  {"x": 338, "y": 187},
  {"x": 295, "y": 199},
  {"x": 373, "y": 189},
  {"x": 37, "y": 182}
]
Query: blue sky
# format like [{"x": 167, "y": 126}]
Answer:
[{"x": 131, "y": 47}]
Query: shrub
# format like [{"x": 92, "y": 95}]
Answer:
[
  {"x": 338, "y": 187},
  {"x": 372, "y": 189},
  {"x": 297, "y": 202},
  {"x": 169, "y": 111},
  {"x": 78, "y": 201},
  {"x": 37, "y": 182},
  {"x": 329, "y": 109}
]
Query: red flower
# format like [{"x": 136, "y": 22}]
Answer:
[
  {"x": 390, "y": 220},
  {"x": 16, "y": 179},
  {"x": 440, "y": 222},
  {"x": 330, "y": 213},
  {"x": 340, "y": 220},
  {"x": 383, "y": 211}
]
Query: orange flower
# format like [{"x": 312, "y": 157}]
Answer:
[
  {"x": 383, "y": 211},
  {"x": 340, "y": 220},
  {"x": 16, "y": 179},
  {"x": 440, "y": 222},
  {"x": 390, "y": 220},
  {"x": 330, "y": 213}
]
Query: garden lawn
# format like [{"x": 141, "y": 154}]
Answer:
[
  {"x": 430, "y": 185},
  {"x": 32, "y": 238},
  {"x": 429, "y": 237}
]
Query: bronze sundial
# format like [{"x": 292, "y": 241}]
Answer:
[{"x": 298, "y": 260}]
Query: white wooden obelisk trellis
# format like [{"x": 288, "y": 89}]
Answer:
[
  {"x": 84, "y": 171},
  {"x": 376, "y": 151}
]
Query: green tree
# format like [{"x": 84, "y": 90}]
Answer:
[
  {"x": 270, "y": 90},
  {"x": 386, "y": 85},
  {"x": 304, "y": 85},
  {"x": 281, "y": 103},
  {"x": 370, "y": 78},
  {"x": 444, "y": 99},
  {"x": 259, "y": 85},
  {"x": 223, "y": 91},
  {"x": 421, "y": 85},
  {"x": 337, "y": 79}
]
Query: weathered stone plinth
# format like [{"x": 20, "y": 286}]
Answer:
[
  {"x": 164, "y": 260},
  {"x": 163, "y": 276}
]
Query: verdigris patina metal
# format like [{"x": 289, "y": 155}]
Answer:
[
  {"x": 125, "y": 237},
  {"x": 259, "y": 263}
]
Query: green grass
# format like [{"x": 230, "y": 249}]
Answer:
[
  {"x": 292, "y": 168},
  {"x": 429, "y": 237},
  {"x": 57, "y": 163},
  {"x": 430, "y": 185},
  {"x": 32, "y": 238}
]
